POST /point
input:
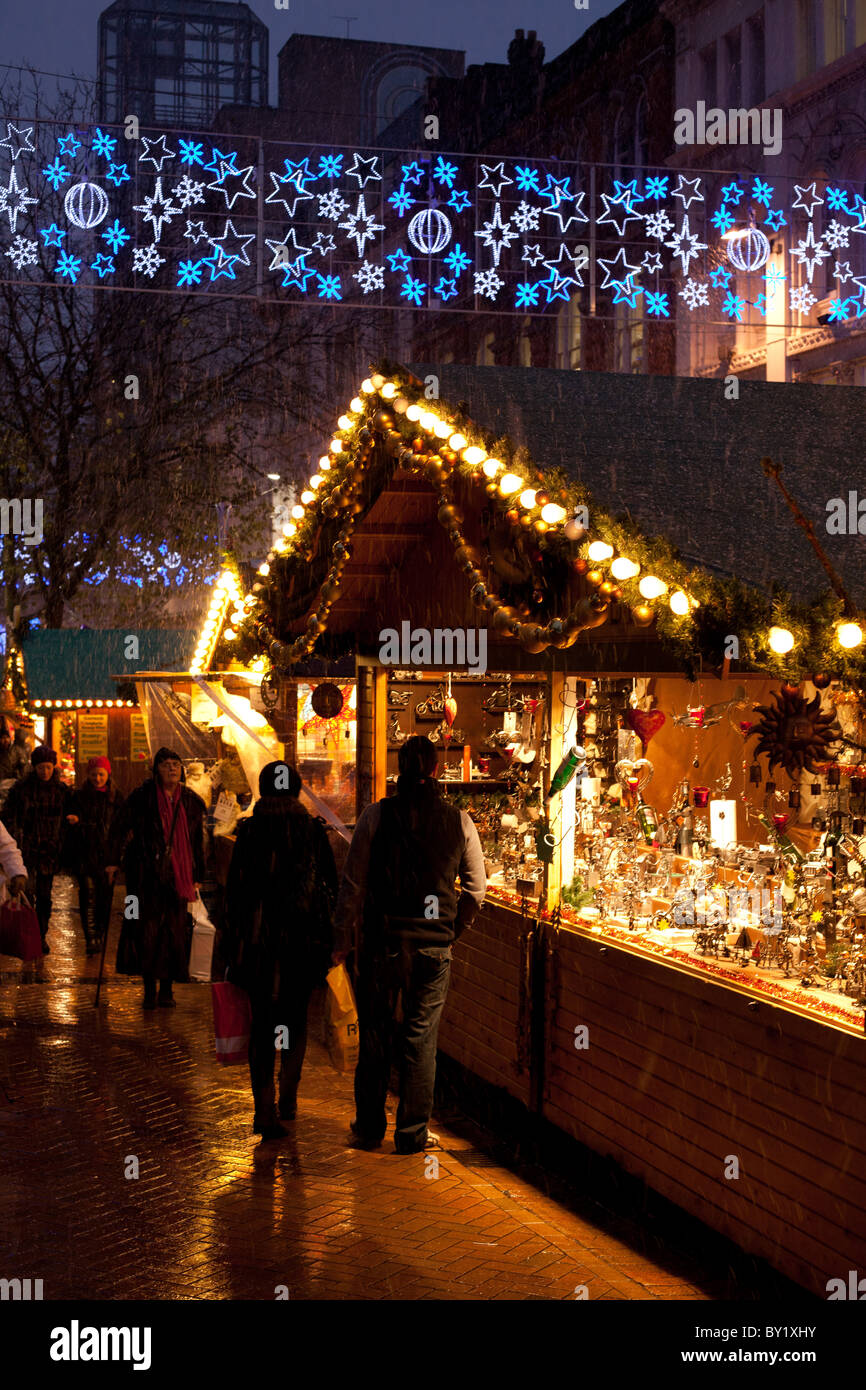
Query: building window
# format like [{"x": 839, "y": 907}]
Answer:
[
  {"x": 807, "y": 34},
  {"x": 733, "y": 69},
  {"x": 398, "y": 89},
  {"x": 484, "y": 355},
  {"x": 568, "y": 336},
  {"x": 641, "y": 137},
  {"x": 757, "y": 71},
  {"x": 524, "y": 345},
  {"x": 629, "y": 347},
  {"x": 708, "y": 75}
]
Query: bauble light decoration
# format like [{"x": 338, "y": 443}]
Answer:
[
  {"x": 429, "y": 231},
  {"x": 849, "y": 635},
  {"x": 86, "y": 205},
  {"x": 747, "y": 247},
  {"x": 574, "y": 529}
]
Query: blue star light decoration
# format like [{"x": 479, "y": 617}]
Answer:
[
  {"x": 413, "y": 173},
  {"x": 116, "y": 236},
  {"x": 720, "y": 277},
  {"x": 68, "y": 145},
  {"x": 775, "y": 220},
  {"x": 761, "y": 305},
  {"x": 398, "y": 261},
  {"x": 297, "y": 273},
  {"x": 732, "y": 193},
  {"x": 413, "y": 289},
  {"x": 459, "y": 200},
  {"x": 56, "y": 174},
  {"x": 103, "y": 144},
  {"x": 457, "y": 260},
  {"x": 191, "y": 152},
  {"x": 69, "y": 266},
  {"x": 103, "y": 265},
  {"x": 189, "y": 273},
  {"x": 117, "y": 174},
  {"x": 733, "y": 306},
  {"x": 527, "y": 296},
  {"x": 330, "y": 166},
  {"x": 445, "y": 290},
  {"x": 657, "y": 303},
  {"x": 445, "y": 172},
  {"x": 52, "y": 234},
  {"x": 329, "y": 286}
]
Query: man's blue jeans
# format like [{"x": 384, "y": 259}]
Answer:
[{"x": 421, "y": 975}]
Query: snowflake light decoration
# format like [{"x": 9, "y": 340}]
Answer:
[
  {"x": 331, "y": 205},
  {"x": 22, "y": 252},
  {"x": 657, "y": 303},
  {"x": 801, "y": 299},
  {"x": 656, "y": 187},
  {"x": 836, "y": 235},
  {"x": 488, "y": 283},
  {"x": 330, "y": 166},
  {"x": 191, "y": 152},
  {"x": 146, "y": 260},
  {"x": 444, "y": 172},
  {"x": 189, "y": 273},
  {"x": 68, "y": 266},
  {"x": 658, "y": 224},
  {"x": 103, "y": 144},
  {"x": 457, "y": 260},
  {"x": 734, "y": 306},
  {"x": 188, "y": 192},
  {"x": 527, "y": 296},
  {"x": 527, "y": 178},
  {"x": 370, "y": 277},
  {"x": 526, "y": 217},
  {"x": 695, "y": 293},
  {"x": 401, "y": 200}
]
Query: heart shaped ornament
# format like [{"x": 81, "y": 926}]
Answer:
[
  {"x": 645, "y": 723},
  {"x": 450, "y": 709},
  {"x": 626, "y": 770}
]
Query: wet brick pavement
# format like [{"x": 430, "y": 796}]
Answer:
[{"x": 215, "y": 1213}]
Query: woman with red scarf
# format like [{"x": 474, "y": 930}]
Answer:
[{"x": 163, "y": 823}]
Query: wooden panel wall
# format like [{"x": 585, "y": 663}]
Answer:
[
  {"x": 485, "y": 1023},
  {"x": 681, "y": 1073}
]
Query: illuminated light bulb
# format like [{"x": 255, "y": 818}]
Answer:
[
  {"x": 316, "y": 480},
  {"x": 38, "y": 704},
  {"x": 357, "y": 405},
  {"x": 99, "y": 704},
  {"x": 325, "y": 465},
  {"x": 281, "y": 549},
  {"x": 401, "y": 405},
  {"x": 265, "y": 568},
  {"x": 78, "y": 703},
  {"x": 491, "y": 467},
  {"x": 414, "y": 412},
  {"x": 288, "y": 530},
  {"x": 457, "y": 442},
  {"x": 849, "y": 635},
  {"x": 336, "y": 446},
  {"x": 599, "y": 550},
  {"x": 474, "y": 455},
  {"x": 344, "y": 422},
  {"x": 367, "y": 386},
  {"x": 679, "y": 603},
  {"x": 652, "y": 587},
  {"x": 389, "y": 391},
  {"x": 509, "y": 484},
  {"x": 428, "y": 420},
  {"x": 274, "y": 477},
  {"x": 297, "y": 513},
  {"x": 527, "y": 498},
  {"x": 230, "y": 634},
  {"x": 378, "y": 381},
  {"x": 623, "y": 568},
  {"x": 780, "y": 640},
  {"x": 553, "y": 514},
  {"x": 441, "y": 429},
  {"x": 307, "y": 498},
  {"x": 88, "y": 703}
]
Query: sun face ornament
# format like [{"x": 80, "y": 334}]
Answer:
[{"x": 794, "y": 733}]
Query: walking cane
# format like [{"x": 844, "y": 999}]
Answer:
[{"x": 102, "y": 953}]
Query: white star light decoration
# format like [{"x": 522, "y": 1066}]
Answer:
[
  {"x": 685, "y": 244},
  {"x": 281, "y": 249},
  {"x": 810, "y": 252},
  {"x": 157, "y": 209},
  {"x": 360, "y": 225},
  {"x": 18, "y": 143},
  {"x": 496, "y": 234},
  {"x": 15, "y": 200}
]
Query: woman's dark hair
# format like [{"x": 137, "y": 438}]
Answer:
[
  {"x": 279, "y": 779},
  {"x": 416, "y": 760}
]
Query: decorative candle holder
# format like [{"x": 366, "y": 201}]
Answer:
[
  {"x": 780, "y": 821},
  {"x": 701, "y": 796}
]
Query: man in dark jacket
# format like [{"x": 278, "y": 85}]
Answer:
[
  {"x": 14, "y": 760},
  {"x": 398, "y": 892},
  {"x": 34, "y": 815},
  {"x": 163, "y": 822},
  {"x": 279, "y": 899},
  {"x": 92, "y": 808}
]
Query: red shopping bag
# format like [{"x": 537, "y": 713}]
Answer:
[
  {"x": 19, "y": 930},
  {"x": 231, "y": 1021}
]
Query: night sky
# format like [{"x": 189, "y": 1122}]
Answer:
[{"x": 60, "y": 35}]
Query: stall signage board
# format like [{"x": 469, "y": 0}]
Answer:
[
  {"x": 92, "y": 736},
  {"x": 138, "y": 749}
]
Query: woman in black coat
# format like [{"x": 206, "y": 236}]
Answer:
[
  {"x": 281, "y": 889},
  {"x": 92, "y": 809},
  {"x": 163, "y": 823}
]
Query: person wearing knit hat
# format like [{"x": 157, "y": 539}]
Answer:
[
  {"x": 35, "y": 815},
  {"x": 159, "y": 832},
  {"x": 91, "y": 810},
  {"x": 278, "y": 935}
]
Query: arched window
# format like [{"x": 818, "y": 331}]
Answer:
[{"x": 397, "y": 90}]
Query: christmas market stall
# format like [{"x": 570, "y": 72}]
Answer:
[
  {"x": 77, "y": 687},
  {"x": 662, "y": 744}
]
